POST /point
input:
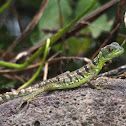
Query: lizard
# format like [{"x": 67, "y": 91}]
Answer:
[{"x": 69, "y": 79}]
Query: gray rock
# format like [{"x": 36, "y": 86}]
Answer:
[{"x": 81, "y": 106}]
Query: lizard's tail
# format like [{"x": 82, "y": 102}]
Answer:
[{"x": 15, "y": 94}]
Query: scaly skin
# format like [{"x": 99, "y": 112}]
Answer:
[{"x": 69, "y": 79}]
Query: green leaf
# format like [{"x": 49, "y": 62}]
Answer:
[
  {"x": 100, "y": 25},
  {"x": 83, "y": 4},
  {"x": 50, "y": 18}
]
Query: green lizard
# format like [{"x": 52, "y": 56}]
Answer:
[{"x": 69, "y": 79}]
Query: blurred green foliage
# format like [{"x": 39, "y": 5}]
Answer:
[
  {"x": 86, "y": 44},
  {"x": 51, "y": 21}
]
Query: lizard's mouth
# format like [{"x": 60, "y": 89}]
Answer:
[{"x": 121, "y": 50}]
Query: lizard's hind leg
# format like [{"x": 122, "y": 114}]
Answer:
[{"x": 27, "y": 99}]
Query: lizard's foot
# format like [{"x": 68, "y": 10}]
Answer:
[
  {"x": 102, "y": 80},
  {"x": 29, "y": 98},
  {"x": 25, "y": 102},
  {"x": 98, "y": 85}
]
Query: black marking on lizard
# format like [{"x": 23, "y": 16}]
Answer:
[
  {"x": 93, "y": 62},
  {"x": 63, "y": 80},
  {"x": 39, "y": 84},
  {"x": 86, "y": 69},
  {"x": 57, "y": 78},
  {"x": 68, "y": 75},
  {"x": 76, "y": 78},
  {"x": 50, "y": 80},
  {"x": 78, "y": 73}
]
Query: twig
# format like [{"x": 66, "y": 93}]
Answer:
[
  {"x": 19, "y": 78},
  {"x": 60, "y": 14},
  {"x": 116, "y": 71},
  {"x": 46, "y": 65},
  {"x": 13, "y": 77},
  {"x": 93, "y": 16},
  {"x": 28, "y": 28},
  {"x": 45, "y": 71},
  {"x": 107, "y": 40},
  {"x": 114, "y": 31},
  {"x": 69, "y": 58},
  {"x": 123, "y": 42},
  {"x": 18, "y": 19},
  {"x": 53, "y": 39},
  {"x": 80, "y": 26}
]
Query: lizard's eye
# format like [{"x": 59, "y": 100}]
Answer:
[{"x": 110, "y": 49}]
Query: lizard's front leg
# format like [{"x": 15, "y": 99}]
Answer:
[{"x": 98, "y": 85}]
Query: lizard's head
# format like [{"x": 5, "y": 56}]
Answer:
[{"x": 111, "y": 51}]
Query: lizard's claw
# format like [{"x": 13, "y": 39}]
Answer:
[
  {"x": 29, "y": 98},
  {"x": 22, "y": 104},
  {"x": 25, "y": 101},
  {"x": 99, "y": 83},
  {"x": 102, "y": 80}
]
